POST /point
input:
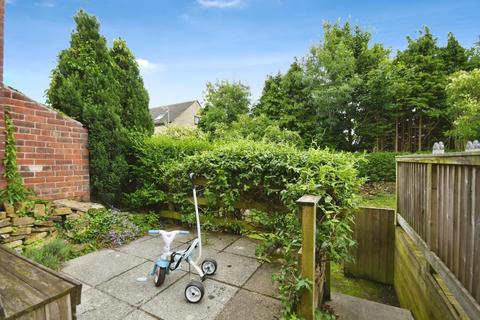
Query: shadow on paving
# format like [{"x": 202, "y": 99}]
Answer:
[{"x": 241, "y": 289}]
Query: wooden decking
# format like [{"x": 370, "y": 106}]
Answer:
[{"x": 29, "y": 290}]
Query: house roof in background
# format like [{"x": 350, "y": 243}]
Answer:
[{"x": 159, "y": 114}]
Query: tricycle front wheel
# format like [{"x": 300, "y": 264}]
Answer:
[{"x": 159, "y": 276}]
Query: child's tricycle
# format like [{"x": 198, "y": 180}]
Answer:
[{"x": 170, "y": 261}]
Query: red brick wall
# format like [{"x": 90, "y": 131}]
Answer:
[
  {"x": 52, "y": 149},
  {"x": 2, "y": 18}
]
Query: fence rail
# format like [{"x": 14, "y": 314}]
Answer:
[{"x": 438, "y": 197}]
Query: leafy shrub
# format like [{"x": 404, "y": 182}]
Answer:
[
  {"x": 152, "y": 157},
  {"x": 103, "y": 227},
  {"x": 145, "y": 222},
  {"x": 378, "y": 166},
  {"x": 274, "y": 174},
  {"x": 52, "y": 254},
  {"x": 15, "y": 190}
]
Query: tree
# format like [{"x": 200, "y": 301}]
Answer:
[
  {"x": 85, "y": 87},
  {"x": 133, "y": 95},
  {"x": 463, "y": 91},
  {"x": 455, "y": 57},
  {"x": 224, "y": 102},
  {"x": 286, "y": 100},
  {"x": 425, "y": 121}
]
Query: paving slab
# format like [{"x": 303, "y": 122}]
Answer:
[
  {"x": 139, "y": 315},
  {"x": 97, "y": 305},
  {"x": 353, "y": 308},
  {"x": 234, "y": 269},
  {"x": 100, "y": 266},
  {"x": 126, "y": 288},
  {"x": 252, "y": 306},
  {"x": 244, "y": 247},
  {"x": 261, "y": 281},
  {"x": 172, "y": 305},
  {"x": 218, "y": 241}
]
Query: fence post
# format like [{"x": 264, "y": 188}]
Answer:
[{"x": 308, "y": 208}]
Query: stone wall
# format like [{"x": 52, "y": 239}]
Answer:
[
  {"x": 52, "y": 148},
  {"x": 31, "y": 223}
]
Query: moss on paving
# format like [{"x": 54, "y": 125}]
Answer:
[{"x": 361, "y": 288}]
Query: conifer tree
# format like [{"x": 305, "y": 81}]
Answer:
[
  {"x": 84, "y": 86},
  {"x": 133, "y": 95}
]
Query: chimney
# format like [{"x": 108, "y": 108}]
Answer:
[{"x": 2, "y": 18}]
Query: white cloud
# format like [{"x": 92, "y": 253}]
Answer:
[
  {"x": 219, "y": 3},
  {"x": 147, "y": 67}
]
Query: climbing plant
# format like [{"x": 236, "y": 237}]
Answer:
[{"x": 15, "y": 191}]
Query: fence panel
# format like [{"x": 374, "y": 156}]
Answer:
[
  {"x": 439, "y": 197},
  {"x": 374, "y": 232}
]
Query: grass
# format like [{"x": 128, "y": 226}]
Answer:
[
  {"x": 361, "y": 288},
  {"x": 379, "y": 200},
  {"x": 52, "y": 255}
]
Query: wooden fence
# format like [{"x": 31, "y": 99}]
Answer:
[
  {"x": 314, "y": 268},
  {"x": 438, "y": 205},
  {"x": 374, "y": 232}
]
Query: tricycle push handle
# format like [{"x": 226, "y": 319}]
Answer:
[{"x": 192, "y": 179}]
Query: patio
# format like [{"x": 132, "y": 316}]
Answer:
[{"x": 240, "y": 289}]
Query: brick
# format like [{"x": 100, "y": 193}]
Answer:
[{"x": 56, "y": 121}]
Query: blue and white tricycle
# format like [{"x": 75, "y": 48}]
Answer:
[{"x": 171, "y": 260}]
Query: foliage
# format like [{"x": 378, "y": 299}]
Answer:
[
  {"x": 146, "y": 221},
  {"x": 102, "y": 89},
  {"x": 133, "y": 95},
  {"x": 378, "y": 166},
  {"x": 286, "y": 99},
  {"x": 224, "y": 102},
  {"x": 379, "y": 200},
  {"x": 15, "y": 191},
  {"x": 349, "y": 94},
  {"x": 103, "y": 227},
  {"x": 52, "y": 254},
  {"x": 463, "y": 93},
  {"x": 259, "y": 128},
  {"x": 152, "y": 158},
  {"x": 245, "y": 170}
]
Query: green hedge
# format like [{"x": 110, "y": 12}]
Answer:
[
  {"x": 378, "y": 166},
  {"x": 243, "y": 170},
  {"x": 246, "y": 170}
]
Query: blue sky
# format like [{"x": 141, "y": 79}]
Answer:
[{"x": 182, "y": 44}]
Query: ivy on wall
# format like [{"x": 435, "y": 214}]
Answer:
[{"x": 15, "y": 191}]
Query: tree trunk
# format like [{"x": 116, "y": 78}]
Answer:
[
  {"x": 396, "y": 134},
  {"x": 420, "y": 133}
]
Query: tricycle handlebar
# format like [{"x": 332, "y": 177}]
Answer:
[{"x": 155, "y": 232}]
